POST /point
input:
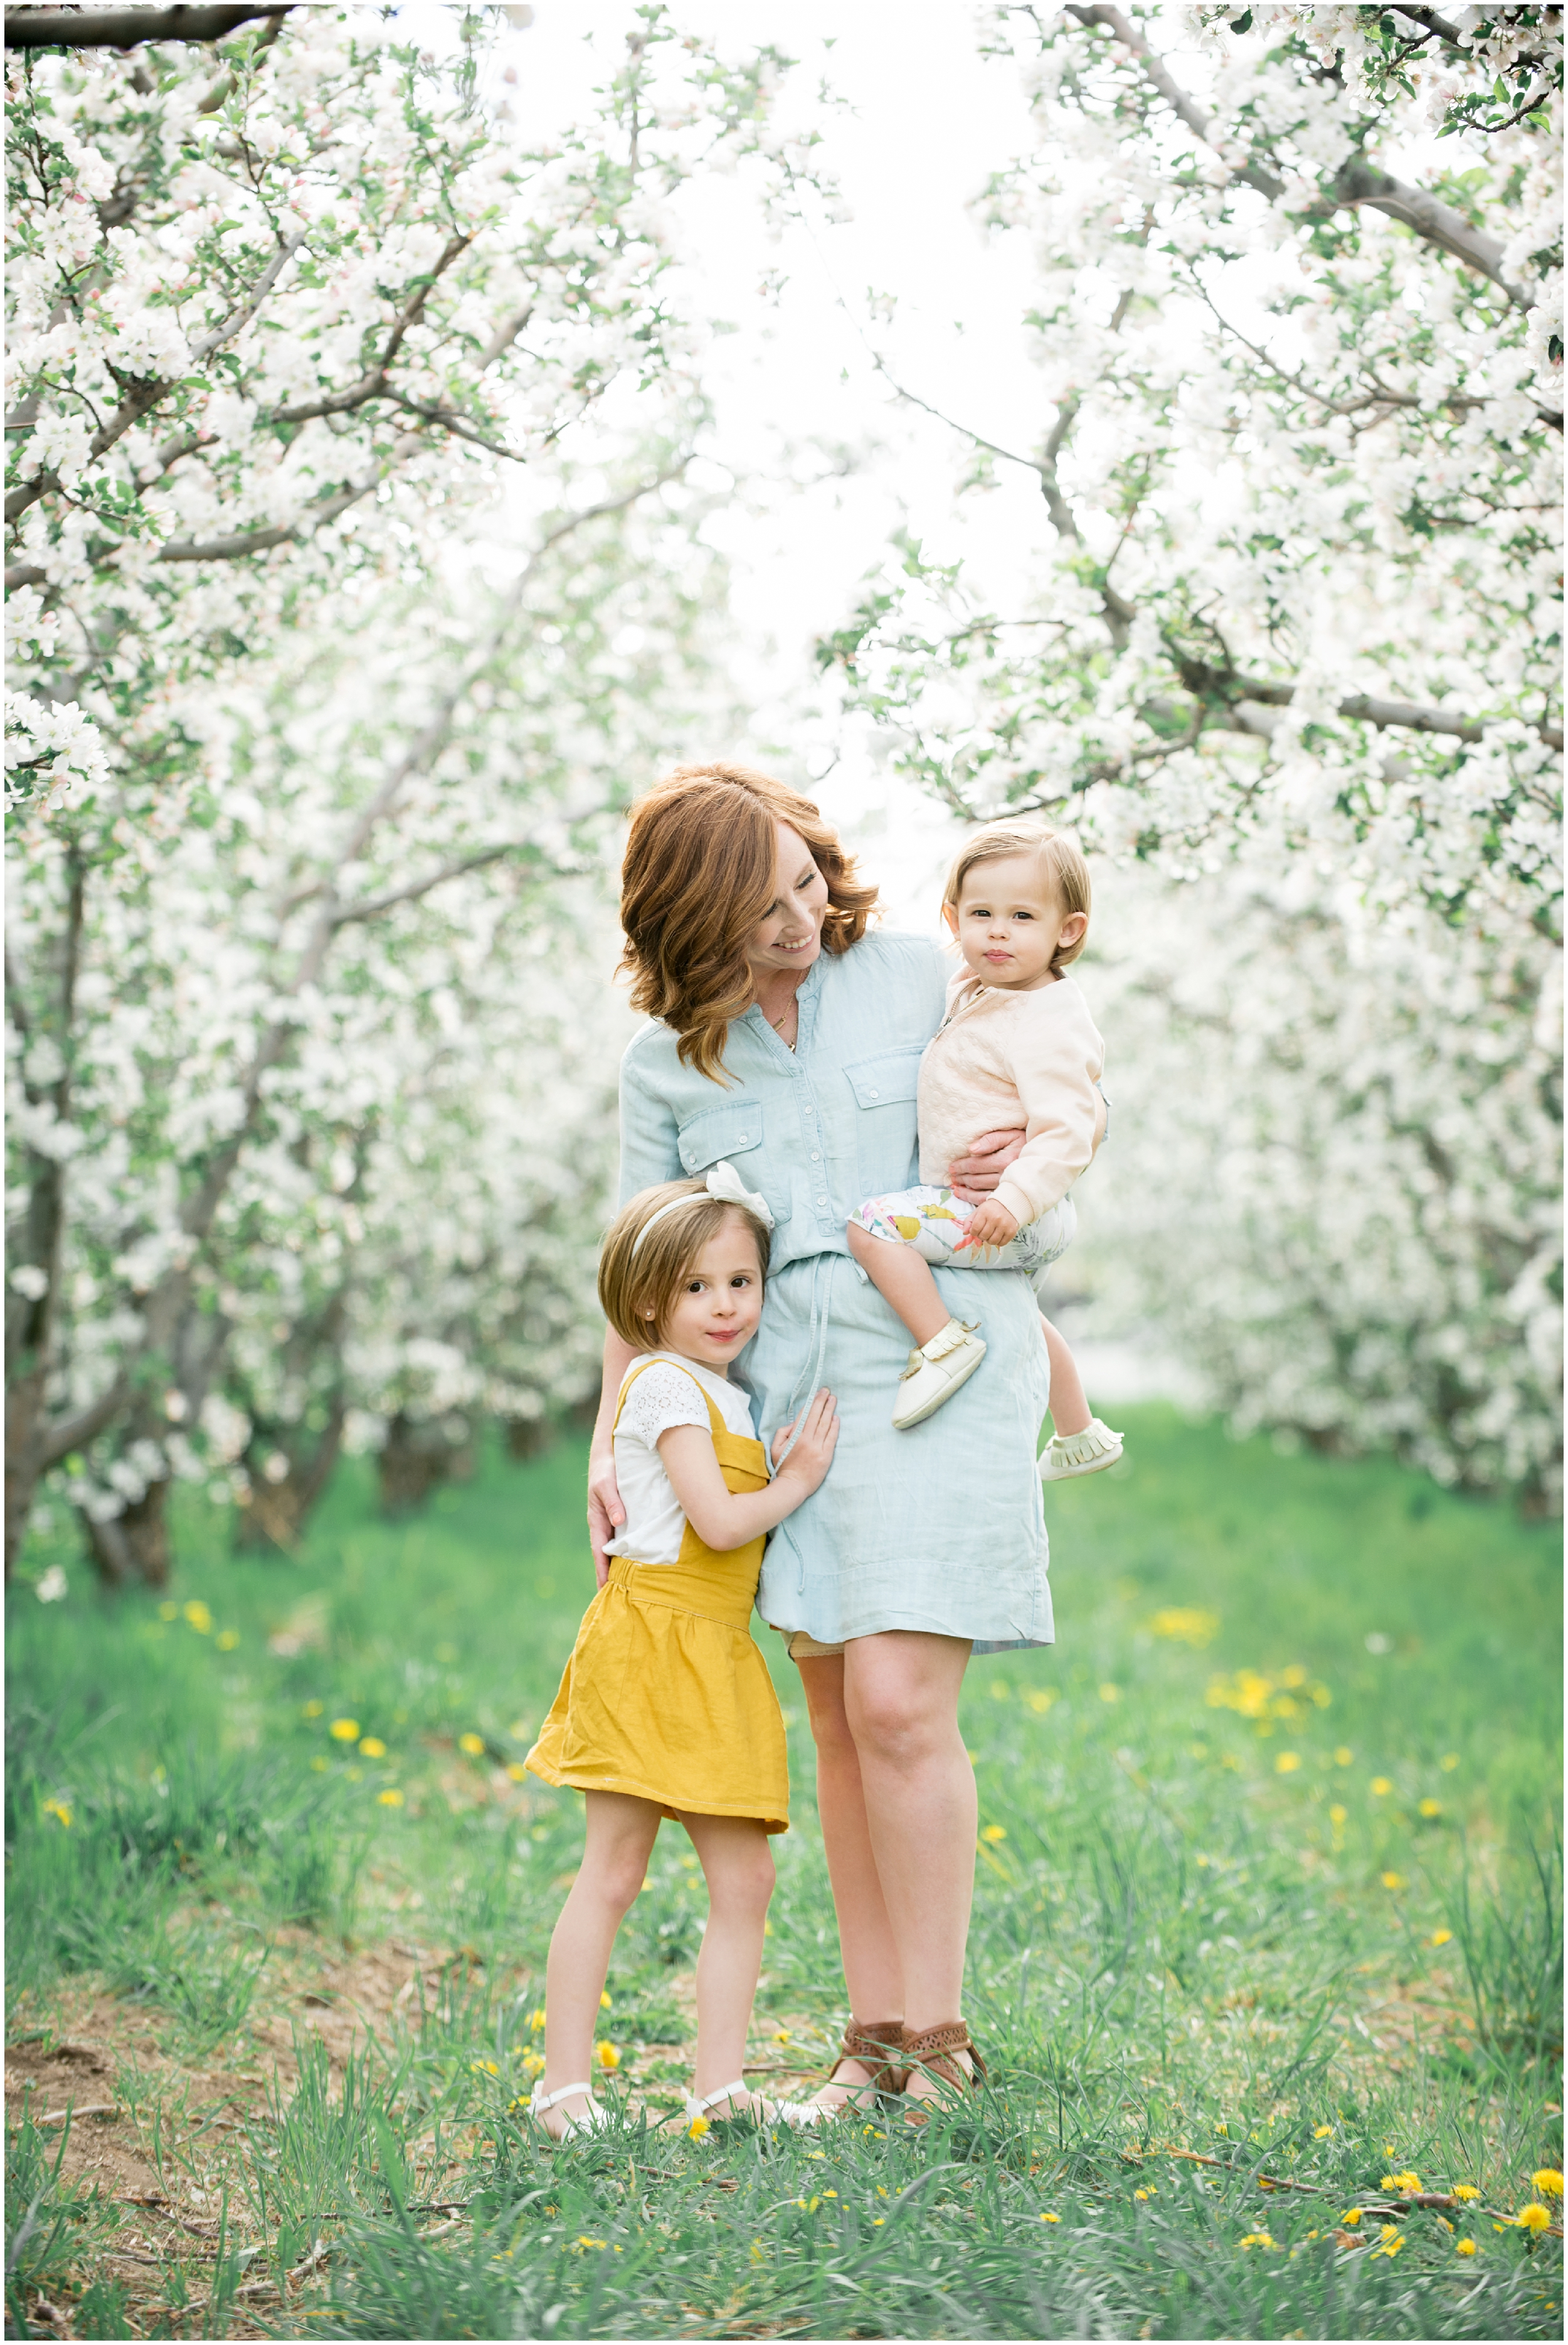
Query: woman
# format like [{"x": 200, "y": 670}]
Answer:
[{"x": 788, "y": 1040}]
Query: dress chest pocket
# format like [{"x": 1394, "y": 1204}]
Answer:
[
  {"x": 731, "y": 1131},
  {"x": 885, "y": 1091}
]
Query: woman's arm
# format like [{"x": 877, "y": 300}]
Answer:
[
  {"x": 725, "y": 1519},
  {"x": 605, "y": 1512}
]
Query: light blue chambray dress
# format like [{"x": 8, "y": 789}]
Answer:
[{"x": 940, "y": 1528}]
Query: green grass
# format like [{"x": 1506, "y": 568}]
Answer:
[{"x": 1269, "y": 1873}]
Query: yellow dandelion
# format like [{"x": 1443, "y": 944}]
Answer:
[
  {"x": 1441, "y": 1938},
  {"x": 1464, "y": 2191},
  {"x": 1547, "y": 2181},
  {"x": 1343, "y": 1756},
  {"x": 1381, "y": 1787},
  {"x": 390, "y": 1798},
  {"x": 518, "y": 1773},
  {"x": 1050, "y": 2219},
  {"x": 472, "y": 1743},
  {"x": 1533, "y": 2217},
  {"x": 59, "y": 1810},
  {"x": 536, "y": 2019},
  {"x": 1321, "y": 2132},
  {"x": 1351, "y": 2218},
  {"x": 533, "y": 2064},
  {"x": 1405, "y": 2181},
  {"x": 699, "y": 2127},
  {"x": 1142, "y": 2194},
  {"x": 1040, "y": 1701},
  {"x": 1110, "y": 1693},
  {"x": 994, "y": 1832},
  {"x": 1464, "y": 2247},
  {"x": 1287, "y": 1762},
  {"x": 373, "y": 1747},
  {"x": 780, "y": 2036},
  {"x": 1257, "y": 2240},
  {"x": 1394, "y": 1881},
  {"x": 227, "y": 1640},
  {"x": 312, "y": 1709},
  {"x": 608, "y": 2056},
  {"x": 1390, "y": 2244},
  {"x": 583, "y": 2241},
  {"x": 1449, "y": 1762},
  {"x": 344, "y": 1730},
  {"x": 319, "y": 1766},
  {"x": 606, "y": 2001},
  {"x": 1337, "y": 1814},
  {"x": 1430, "y": 1808}
]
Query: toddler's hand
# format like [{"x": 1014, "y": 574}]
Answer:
[
  {"x": 990, "y": 1224},
  {"x": 809, "y": 1460}
]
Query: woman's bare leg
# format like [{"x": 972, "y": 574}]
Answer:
[
  {"x": 620, "y": 1839},
  {"x": 867, "y": 1946},
  {"x": 901, "y": 1702},
  {"x": 738, "y": 1866},
  {"x": 1069, "y": 1403}
]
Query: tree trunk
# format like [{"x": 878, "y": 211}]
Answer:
[
  {"x": 419, "y": 1456},
  {"x": 277, "y": 1511},
  {"x": 133, "y": 1546},
  {"x": 528, "y": 1437}
]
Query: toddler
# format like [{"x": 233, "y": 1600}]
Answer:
[
  {"x": 1017, "y": 1048},
  {"x": 666, "y": 1707}
]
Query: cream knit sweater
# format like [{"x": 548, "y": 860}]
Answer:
[{"x": 1001, "y": 1058}]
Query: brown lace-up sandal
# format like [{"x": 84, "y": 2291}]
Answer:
[
  {"x": 933, "y": 2052},
  {"x": 874, "y": 2048}
]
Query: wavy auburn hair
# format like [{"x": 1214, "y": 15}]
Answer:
[{"x": 699, "y": 880}]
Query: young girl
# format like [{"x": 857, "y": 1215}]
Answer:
[
  {"x": 1018, "y": 1046},
  {"x": 666, "y": 1708}
]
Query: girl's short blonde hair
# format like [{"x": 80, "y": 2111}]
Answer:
[
  {"x": 697, "y": 881},
  {"x": 638, "y": 1283},
  {"x": 1025, "y": 835}
]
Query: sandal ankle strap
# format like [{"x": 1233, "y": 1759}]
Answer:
[
  {"x": 934, "y": 2048},
  {"x": 539, "y": 2102}
]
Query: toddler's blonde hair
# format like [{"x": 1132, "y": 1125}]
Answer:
[
  {"x": 1027, "y": 835},
  {"x": 638, "y": 1283}
]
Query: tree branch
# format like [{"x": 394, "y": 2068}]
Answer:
[
  {"x": 125, "y": 28},
  {"x": 148, "y": 393},
  {"x": 1353, "y": 185},
  {"x": 373, "y": 906}
]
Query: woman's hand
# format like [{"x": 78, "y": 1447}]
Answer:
[
  {"x": 809, "y": 1460},
  {"x": 605, "y": 1512},
  {"x": 972, "y": 1177}
]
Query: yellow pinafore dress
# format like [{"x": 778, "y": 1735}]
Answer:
[{"x": 666, "y": 1696}]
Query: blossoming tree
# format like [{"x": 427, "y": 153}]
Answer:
[
  {"x": 284, "y": 326},
  {"x": 1297, "y": 645}
]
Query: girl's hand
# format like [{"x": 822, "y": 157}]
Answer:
[
  {"x": 990, "y": 1224},
  {"x": 605, "y": 1512},
  {"x": 809, "y": 1460},
  {"x": 972, "y": 1177}
]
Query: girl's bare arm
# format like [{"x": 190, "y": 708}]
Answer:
[
  {"x": 723, "y": 1519},
  {"x": 605, "y": 1512}
]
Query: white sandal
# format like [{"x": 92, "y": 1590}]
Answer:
[
  {"x": 594, "y": 2122},
  {"x": 788, "y": 2113},
  {"x": 1088, "y": 1452}
]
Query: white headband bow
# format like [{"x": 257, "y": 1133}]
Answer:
[{"x": 724, "y": 1184}]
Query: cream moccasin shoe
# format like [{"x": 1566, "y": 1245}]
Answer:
[
  {"x": 936, "y": 1372},
  {"x": 1088, "y": 1452}
]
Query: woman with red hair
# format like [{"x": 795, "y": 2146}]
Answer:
[{"x": 785, "y": 1036}]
